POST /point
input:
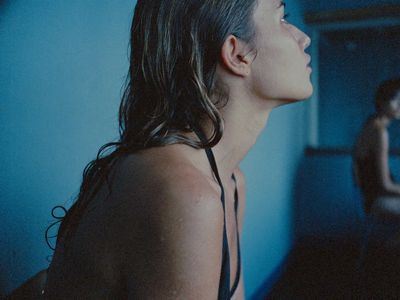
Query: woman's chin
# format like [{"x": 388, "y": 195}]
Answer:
[
  {"x": 309, "y": 92},
  {"x": 303, "y": 94},
  {"x": 306, "y": 92}
]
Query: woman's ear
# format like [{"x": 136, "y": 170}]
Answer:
[{"x": 234, "y": 56}]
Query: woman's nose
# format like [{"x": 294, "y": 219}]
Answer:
[
  {"x": 303, "y": 39},
  {"x": 306, "y": 41}
]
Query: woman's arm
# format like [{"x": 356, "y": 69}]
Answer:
[
  {"x": 385, "y": 182},
  {"x": 178, "y": 253}
]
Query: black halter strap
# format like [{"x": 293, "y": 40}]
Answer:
[
  {"x": 239, "y": 264},
  {"x": 224, "y": 291}
]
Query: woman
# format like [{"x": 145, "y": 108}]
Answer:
[
  {"x": 371, "y": 155},
  {"x": 380, "y": 260},
  {"x": 156, "y": 218}
]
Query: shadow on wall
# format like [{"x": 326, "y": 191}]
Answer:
[
  {"x": 2, "y": 287},
  {"x": 328, "y": 204},
  {"x": 327, "y": 223},
  {"x": 330, "y": 234},
  {"x": 3, "y": 4}
]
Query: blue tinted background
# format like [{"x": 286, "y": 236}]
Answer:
[
  {"x": 317, "y": 5},
  {"x": 349, "y": 76},
  {"x": 62, "y": 66}
]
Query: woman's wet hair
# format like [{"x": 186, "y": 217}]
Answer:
[
  {"x": 386, "y": 92},
  {"x": 171, "y": 87}
]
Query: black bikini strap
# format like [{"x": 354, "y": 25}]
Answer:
[
  {"x": 225, "y": 249},
  {"x": 225, "y": 291},
  {"x": 239, "y": 264},
  {"x": 236, "y": 193},
  {"x": 213, "y": 164}
]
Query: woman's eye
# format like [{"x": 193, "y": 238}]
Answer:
[{"x": 284, "y": 18}]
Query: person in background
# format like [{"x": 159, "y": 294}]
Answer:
[
  {"x": 379, "y": 264},
  {"x": 160, "y": 212},
  {"x": 371, "y": 155}
]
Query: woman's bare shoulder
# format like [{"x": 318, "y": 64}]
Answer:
[
  {"x": 377, "y": 136},
  {"x": 152, "y": 184},
  {"x": 174, "y": 219},
  {"x": 372, "y": 135},
  {"x": 160, "y": 170}
]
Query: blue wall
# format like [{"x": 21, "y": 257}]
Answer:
[
  {"x": 62, "y": 65},
  {"x": 352, "y": 65},
  {"x": 270, "y": 170},
  {"x": 318, "y": 5},
  {"x": 329, "y": 205}
]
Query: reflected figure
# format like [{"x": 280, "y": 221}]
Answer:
[
  {"x": 379, "y": 263},
  {"x": 371, "y": 155}
]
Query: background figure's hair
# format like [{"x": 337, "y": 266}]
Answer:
[
  {"x": 385, "y": 93},
  {"x": 171, "y": 86}
]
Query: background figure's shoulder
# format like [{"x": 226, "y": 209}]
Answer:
[
  {"x": 378, "y": 133},
  {"x": 373, "y": 137}
]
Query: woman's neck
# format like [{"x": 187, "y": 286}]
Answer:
[{"x": 244, "y": 120}]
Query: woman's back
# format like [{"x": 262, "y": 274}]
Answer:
[
  {"x": 87, "y": 265},
  {"x": 125, "y": 239}
]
